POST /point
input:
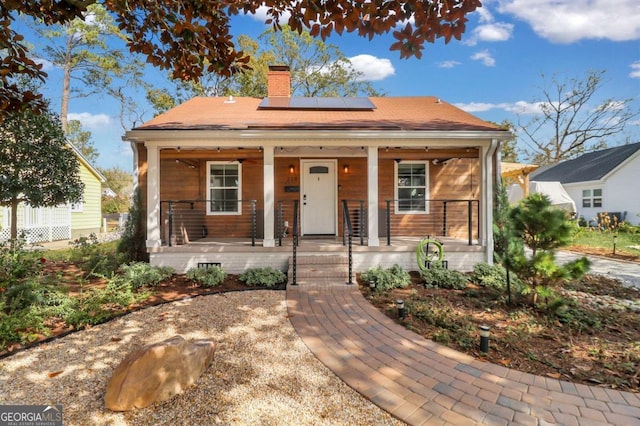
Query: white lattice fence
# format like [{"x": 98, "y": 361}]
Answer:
[{"x": 38, "y": 224}]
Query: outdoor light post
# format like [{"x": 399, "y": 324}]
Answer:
[
  {"x": 484, "y": 339},
  {"x": 372, "y": 285},
  {"x": 400, "y": 305},
  {"x": 615, "y": 240}
]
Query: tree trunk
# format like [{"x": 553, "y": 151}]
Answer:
[
  {"x": 14, "y": 219},
  {"x": 66, "y": 83}
]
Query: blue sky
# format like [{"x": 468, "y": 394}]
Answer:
[{"x": 493, "y": 72}]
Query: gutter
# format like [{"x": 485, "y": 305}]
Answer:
[{"x": 489, "y": 192}]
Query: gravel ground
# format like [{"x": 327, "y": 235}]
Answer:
[{"x": 262, "y": 373}]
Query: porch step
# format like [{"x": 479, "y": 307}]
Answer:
[{"x": 320, "y": 270}]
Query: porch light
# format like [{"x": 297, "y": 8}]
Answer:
[
  {"x": 292, "y": 169},
  {"x": 400, "y": 306},
  {"x": 346, "y": 168},
  {"x": 484, "y": 339}
]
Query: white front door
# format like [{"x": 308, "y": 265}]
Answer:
[{"x": 319, "y": 197}]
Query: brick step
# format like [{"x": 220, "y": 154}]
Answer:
[{"x": 320, "y": 269}]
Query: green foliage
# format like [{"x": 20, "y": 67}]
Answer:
[
  {"x": 539, "y": 224},
  {"x": 387, "y": 279},
  {"x": 438, "y": 276},
  {"x": 93, "y": 257},
  {"x": 18, "y": 264},
  {"x": 207, "y": 277},
  {"x": 543, "y": 229},
  {"x": 266, "y": 277},
  {"x": 494, "y": 276},
  {"x": 132, "y": 242},
  {"x": 36, "y": 165},
  {"x": 141, "y": 274}
]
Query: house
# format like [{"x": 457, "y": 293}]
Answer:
[
  {"x": 232, "y": 181},
  {"x": 600, "y": 181},
  {"x": 69, "y": 221}
]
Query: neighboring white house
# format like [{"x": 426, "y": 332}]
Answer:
[{"x": 601, "y": 181}]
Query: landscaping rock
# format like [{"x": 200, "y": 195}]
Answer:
[{"x": 157, "y": 372}]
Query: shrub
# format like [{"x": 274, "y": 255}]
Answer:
[
  {"x": 438, "y": 276},
  {"x": 93, "y": 257},
  {"x": 207, "y": 277},
  {"x": 494, "y": 276},
  {"x": 266, "y": 277},
  {"x": 141, "y": 274},
  {"x": 18, "y": 264},
  {"x": 132, "y": 243},
  {"x": 387, "y": 279}
]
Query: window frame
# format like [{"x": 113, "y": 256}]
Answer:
[
  {"x": 396, "y": 186},
  {"x": 589, "y": 196},
  {"x": 209, "y": 199}
]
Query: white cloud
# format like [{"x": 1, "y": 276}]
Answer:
[
  {"x": 567, "y": 21},
  {"x": 635, "y": 70},
  {"x": 489, "y": 30},
  {"x": 46, "y": 65},
  {"x": 91, "y": 121},
  {"x": 498, "y": 31},
  {"x": 485, "y": 57},
  {"x": 448, "y": 64},
  {"x": 475, "y": 106},
  {"x": 372, "y": 68},
  {"x": 519, "y": 107}
]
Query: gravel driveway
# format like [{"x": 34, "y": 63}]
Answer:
[{"x": 262, "y": 373}]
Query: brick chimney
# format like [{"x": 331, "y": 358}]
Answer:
[{"x": 279, "y": 81}]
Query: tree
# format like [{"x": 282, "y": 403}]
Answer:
[
  {"x": 509, "y": 147},
  {"x": 191, "y": 38},
  {"x": 80, "y": 49},
  {"x": 508, "y": 249},
  {"x": 120, "y": 182},
  {"x": 317, "y": 69},
  {"x": 572, "y": 122},
  {"x": 81, "y": 139},
  {"x": 542, "y": 228},
  {"x": 37, "y": 166}
]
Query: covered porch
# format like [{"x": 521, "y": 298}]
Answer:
[{"x": 216, "y": 205}]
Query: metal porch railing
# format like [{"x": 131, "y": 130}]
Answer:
[{"x": 447, "y": 218}]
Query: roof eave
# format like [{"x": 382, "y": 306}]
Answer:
[{"x": 182, "y": 136}]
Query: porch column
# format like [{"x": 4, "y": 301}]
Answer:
[
  {"x": 153, "y": 197},
  {"x": 486, "y": 196},
  {"x": 372, "y": 196},
  {"x": 269, "y": 197}
]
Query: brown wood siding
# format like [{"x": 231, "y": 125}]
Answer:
[
  {"x": 457, "y": 180},
  {"x": 186, "y": 180}
]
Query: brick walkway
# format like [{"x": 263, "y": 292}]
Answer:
[{"x": 423, "y": 383}]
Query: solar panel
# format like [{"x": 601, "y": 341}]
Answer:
[{"x": 331, "y": 103}]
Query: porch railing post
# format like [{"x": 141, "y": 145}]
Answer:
[
  {"x": 253, "y": 223},
  {"x": 295, "y": 242},
  {"x": 388, "y": 222},
  {"x": 470, "y": 219},
  {"x": 170, "y": 213},
  {"x": 345, "y": 212},
  {"x": 363, "y": 222},
  {"x": 279, "y": 229},
  {"x": 444, "y": 218}
]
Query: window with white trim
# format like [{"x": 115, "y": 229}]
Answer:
[
  {"x": 412, "y": 186},
  {"x": 224, "y": 187},
  {"x": 592, "y": 198},
  {"x": 78, "y": 207}
]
